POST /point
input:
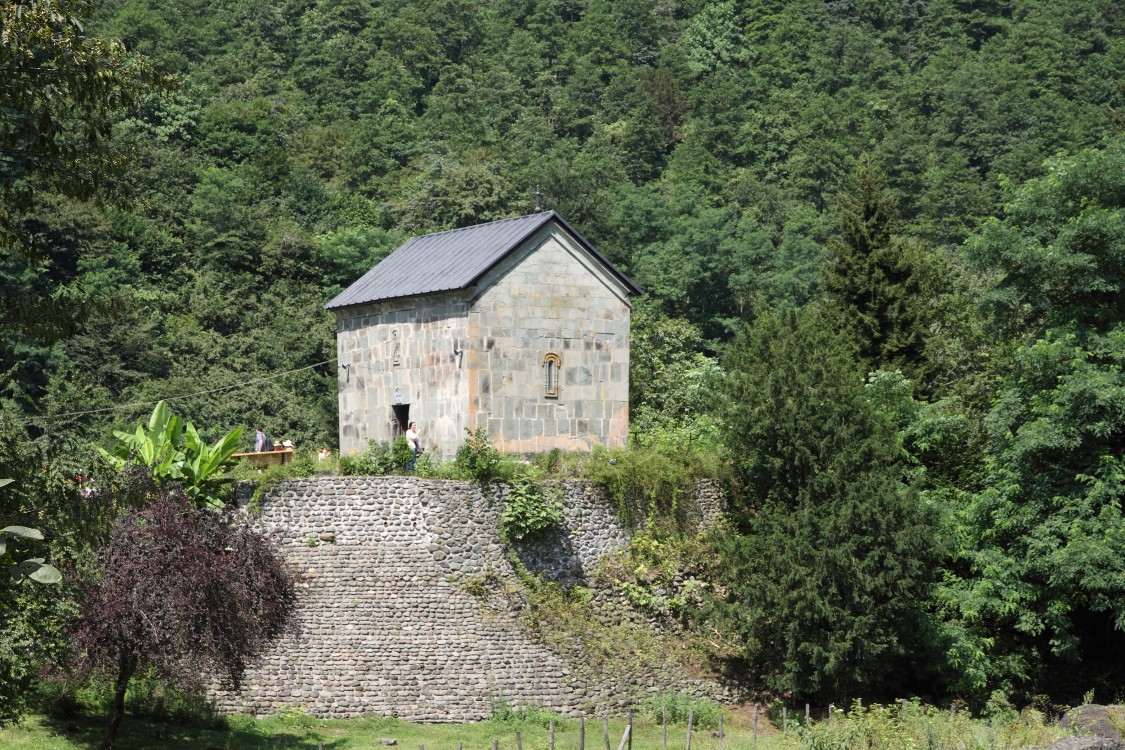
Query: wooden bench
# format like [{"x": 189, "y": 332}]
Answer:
[{"x": 276, "y": 456}]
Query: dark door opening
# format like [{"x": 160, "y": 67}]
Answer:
[{"x": 401, "y": 418}]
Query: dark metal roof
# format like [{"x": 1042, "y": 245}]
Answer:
[{"x": 456, "y": 259}]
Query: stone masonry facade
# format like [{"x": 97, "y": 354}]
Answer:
[
  {"x": 484, "y": 356},
  {"x": 551, "y": 298},
  {"x": 404, "y": 352},
  {"x": 388, "y": 626}
]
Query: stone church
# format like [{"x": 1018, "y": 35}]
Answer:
[{"x": 519, "y": 326}]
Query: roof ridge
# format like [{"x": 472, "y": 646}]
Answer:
[
  {"x": 485, "y": 224},
  {"x": 440, "y": 262}
]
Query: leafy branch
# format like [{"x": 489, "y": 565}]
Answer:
[{"x": 35, "y": 568}]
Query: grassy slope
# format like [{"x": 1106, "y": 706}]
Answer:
[
  {"x": 871, "y": 728},
  {"x": 38, "y": 733}
]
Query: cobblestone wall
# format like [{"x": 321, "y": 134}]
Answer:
[{"x": 388, "y": 627}]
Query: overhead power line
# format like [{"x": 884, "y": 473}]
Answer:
[{"x": 153, "y": 402}]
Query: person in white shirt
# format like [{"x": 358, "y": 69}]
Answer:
[{"x": 412, "y": 441}]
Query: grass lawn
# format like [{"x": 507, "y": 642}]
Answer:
[{"x": 306, "y": 733}]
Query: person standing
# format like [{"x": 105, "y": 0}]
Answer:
[
  {"x": 261, "y": 442},
  {"x": 412, "y": 441}
]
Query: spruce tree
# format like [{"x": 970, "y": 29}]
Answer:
[
  {"x": 833, "y": 554},
  {"x": 874, "y": 278}
]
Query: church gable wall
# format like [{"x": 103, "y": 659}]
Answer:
[{"x": 550, "y": 297}]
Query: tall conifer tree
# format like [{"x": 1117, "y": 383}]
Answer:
[
  {"x": 834, "y": 554},
  {"x": 874, "y": 278}
]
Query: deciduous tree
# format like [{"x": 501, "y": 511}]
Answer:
[
  {"x": 182, "y": 593},
  {"x": 1041, "y": 573},
  {"x": 61, "y": 89}
]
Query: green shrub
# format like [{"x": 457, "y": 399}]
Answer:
[
  {"x": 431, "y": 466},
  {"x": 56, "y": 698},
  {"x": 477, "y": 457},
  {"x": 377, "y": 459},
  {"x": 529, "y": 509},
  {"x": 663, "y": 574},
  {"x": 679, "y": 706},
  {"x": 153, "y": 699},
  {"x": 303, "y": 464},
  {"x": 649, "y": 483},
  {"x": 479, "y": 461},
  {"x": 879, "y": 727},
  {"x": 295, "y": 717},
  {"x": 504, "y": 713},
  {"x": 550, "y": 462},
  {"x": 401, "y": 454},
  {"x": 146, "y": 697}
]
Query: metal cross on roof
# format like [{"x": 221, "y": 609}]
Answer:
[{"x": 538, "y": 198}]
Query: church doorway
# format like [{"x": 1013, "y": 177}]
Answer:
[{"x": 401, "y": 418}]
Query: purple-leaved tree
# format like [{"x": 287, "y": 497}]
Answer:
[{"x": 183, "y": 593}]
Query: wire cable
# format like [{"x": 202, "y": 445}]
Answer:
[{"x": 134, "y": 404}]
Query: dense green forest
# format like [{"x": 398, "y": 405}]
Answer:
[{"x": 883, "y": 245}]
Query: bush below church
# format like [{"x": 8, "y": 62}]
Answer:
[{"x": 379, "y": 458}]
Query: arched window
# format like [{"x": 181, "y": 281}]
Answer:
[{"x": 551, "y": 371}]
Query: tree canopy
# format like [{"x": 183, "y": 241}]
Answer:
[
  {"x": 835, "y": 557},
  {"x": 183, "y": 594},
  {"x": 881, "y": 245}
]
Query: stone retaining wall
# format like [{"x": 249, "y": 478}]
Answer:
[{"x": 388, "y": 627}]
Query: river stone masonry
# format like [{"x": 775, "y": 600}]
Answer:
[{"x": 387, "y": 625}]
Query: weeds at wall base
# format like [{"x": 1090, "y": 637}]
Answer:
[
  {"x": 604, "y": 642},
  {"x": 923, "y": 728},
  {"x": 146, "y": 697}
]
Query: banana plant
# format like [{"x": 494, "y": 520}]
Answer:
[
  {"x": 174, "y": 451},
  {"x": 35, "y": 568},
  {"x": 203, "y": 465}
]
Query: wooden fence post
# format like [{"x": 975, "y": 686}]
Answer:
[
  {"x": 629, "y": 729},
  {"x": 806, "y": 713},
  {"x": 495, "y": 744},
  {"x": 755, "y": 726},
  {"x": 605, "y": 732},
  {"x": 784, "y": 719},
  {"x": 519, "y": 741},
  {"x": 690, "y": 721},
  {"x": 664, "y": 724},
  {"x": 721, "y": 744},
  {"x": 582, "y": 732},
  {"x": 552, "y": 734},
  {"x": 626, "y": 737}
]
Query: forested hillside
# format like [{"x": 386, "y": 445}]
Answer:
[
  {"x": 898, "y": 227},
  {"x": 702, "y": 146}
]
